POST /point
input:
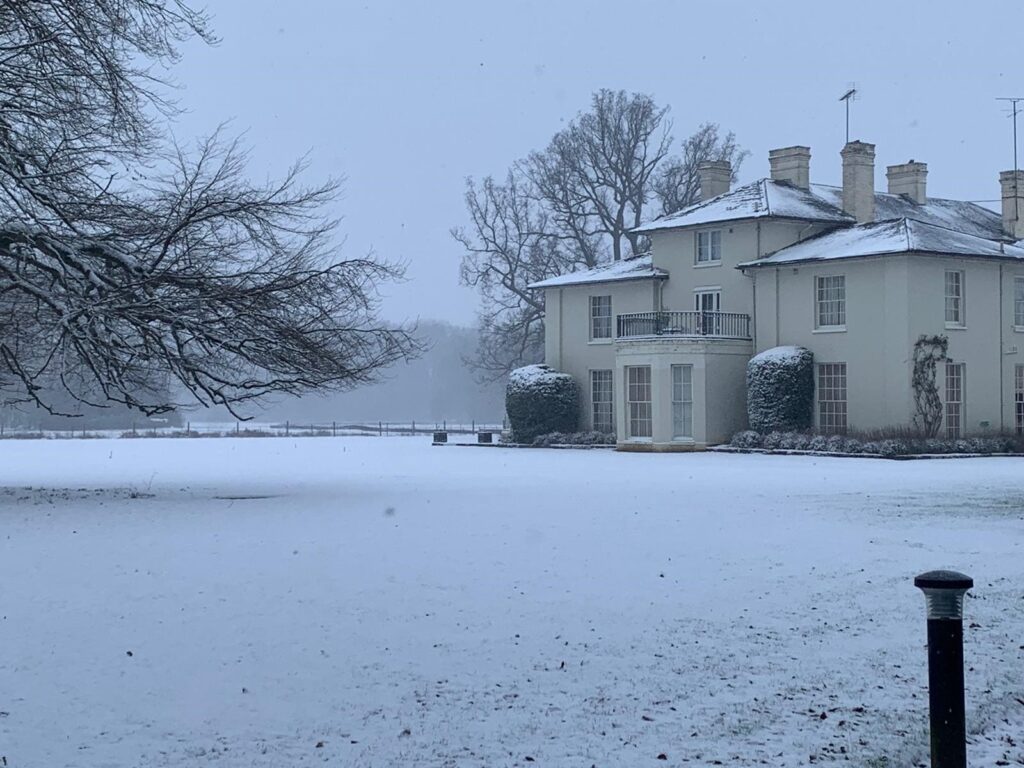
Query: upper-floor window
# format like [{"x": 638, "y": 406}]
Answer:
[
  {"x": 830, "y": 301},
  {"x": 954, "y": 297},
  {"x": 709, "y": 246},
  {"x": 1018, "y": 302},
  {"x": 600, "y": 317}
]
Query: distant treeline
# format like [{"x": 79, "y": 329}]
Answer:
[{"x": 436, "y": 386}]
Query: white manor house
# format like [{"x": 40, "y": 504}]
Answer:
[{"x": 659, "y": 344}]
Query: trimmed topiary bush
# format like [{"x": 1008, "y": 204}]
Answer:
[
  {"x": 539, "y": 401},
  {"x": 780, "y": 390}
]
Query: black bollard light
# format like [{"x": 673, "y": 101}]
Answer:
[{"x": 944, "y": 598}]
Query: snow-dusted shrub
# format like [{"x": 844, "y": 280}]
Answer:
[
  {"x": 818, "y": 443},
  {"x": 835, "y": 444},
  {"x": 852, "y": 445},
  {"x": 892, "y": 448},
  {"x": 574, "y": 438},
  {"x": 746, "y": 439},
  {"x": 780, "y": 389},
  {"x": 539, "y": 401},
  {"x": 870, "y": 447},
  {"x": 796, "y": 441},
  {"x": 773, "y": 440}
]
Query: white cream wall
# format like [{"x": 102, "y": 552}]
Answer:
[
  {"x": 567, "y": 343},
  {"x": 873, "y": 346},
  {"x": 890, "y": 302},
  {"x": 988, "y": 344},
  {"x": 676, "y": 251}
]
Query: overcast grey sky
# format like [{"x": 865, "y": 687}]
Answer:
[{"x": 406, "y": 99}]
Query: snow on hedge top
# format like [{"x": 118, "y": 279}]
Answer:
[
  {"x": 533, "y": 375},
  {"x": 628, "y": 269},
  {"x": 825, "y": 203},
  {"x": 779, "y": 355},
  {"x": 900, "y": 236}
]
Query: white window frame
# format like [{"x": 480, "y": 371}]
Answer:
[
  {"x": 682, "y": 402},
  {"x": 832, "y": 393},
  {"x": 602, "y": 401},
  {"x": 1018, "y": 399},
  {"x": 601, "y": 323},
  {"x": 1018, "y": 303},
  {"x": 953, "y": 291},
  {"x": 830, "y": 302},
  {"x": 954, "y": 402},
  {"x": 639, "y": 403},
  {"x": 709, "y": 247}
]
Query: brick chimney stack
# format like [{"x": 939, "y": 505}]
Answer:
[
  {"x": 715, "y": 177},
  {"x": 909, "y": 179},
  {"x": 1012, "y": 183},
  {"x": 792, "y": 165},
  {"x": 859, "y": 181}
]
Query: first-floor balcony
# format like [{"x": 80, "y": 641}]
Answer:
[{"x": 723, "y": 325}]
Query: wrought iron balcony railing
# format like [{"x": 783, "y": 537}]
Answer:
[{"x": 725, "y": 325}]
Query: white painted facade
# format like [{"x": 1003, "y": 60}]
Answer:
[{"x": 781, "y": 264}]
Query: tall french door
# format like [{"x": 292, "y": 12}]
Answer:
[{"x": 709, "y": 304}]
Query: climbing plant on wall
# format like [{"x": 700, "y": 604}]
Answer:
[{"x": 929, "y": 351}]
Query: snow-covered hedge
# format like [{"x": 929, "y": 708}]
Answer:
[
  {"x": 780, "y": 390},
  {"x": 539, "y": 401},
  {"x": 574, "y": 438},
  {"x": 891, "y": 446}
]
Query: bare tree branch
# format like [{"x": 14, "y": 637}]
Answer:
[{"x": 118, "y": 281}]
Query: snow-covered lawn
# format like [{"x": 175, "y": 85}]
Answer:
[{"x": 384, "y": 603}]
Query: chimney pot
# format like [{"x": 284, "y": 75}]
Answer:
[
  {"x": 859, "y": 181},
  {"x": 1012, "y": 184},
  {"x": 715, "y": 177},
  {"x": 909, "y": 179},
  {"x": 791, "y": 165}
]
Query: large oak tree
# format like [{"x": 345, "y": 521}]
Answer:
[{"x": 572, "y": 206}]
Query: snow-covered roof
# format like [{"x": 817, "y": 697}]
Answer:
[
  {"x": 900, "y": 236},
  {"x": 822, "y": 203},
  {"x": 640, "y": 268}
]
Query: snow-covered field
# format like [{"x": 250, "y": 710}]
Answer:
[{"x": 379, "y": 602}]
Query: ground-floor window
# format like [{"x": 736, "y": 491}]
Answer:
[
  {"x": 1018, "y": 398},
  {"x": 682, "y": 401},
  {"x": 954, "y": 399},
  {"x": 832, "y": 398},
  {"x": 601, "y": 399},
  {"x": 638, "y": 400}
]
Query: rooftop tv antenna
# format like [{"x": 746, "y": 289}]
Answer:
[
  {"x": 1014, "y": 110},
  {"x": 849, "y": 96}
]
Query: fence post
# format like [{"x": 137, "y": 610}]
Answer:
[
  {"x": 944, "y": 598},
  {"x": 334, "y": 429},
  {"x": 287, "y": 428}
]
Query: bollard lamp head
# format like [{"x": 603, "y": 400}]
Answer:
[{"x": 944, "y": 593}]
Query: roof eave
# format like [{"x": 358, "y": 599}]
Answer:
[{"x": 541, "y": 287}]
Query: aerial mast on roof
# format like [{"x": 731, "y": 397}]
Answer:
[
  {"x": 1014, "y": 100},
  {"x": 849, "y": 96}
]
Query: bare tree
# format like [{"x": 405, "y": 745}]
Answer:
[
  {"x": 507, "y": 247},
  {"x": 595, "y": 176},
  {"x": 677, "y": 184},
  {"x": 127, "y": 264},
  {"x": 574, "y": 205}
]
